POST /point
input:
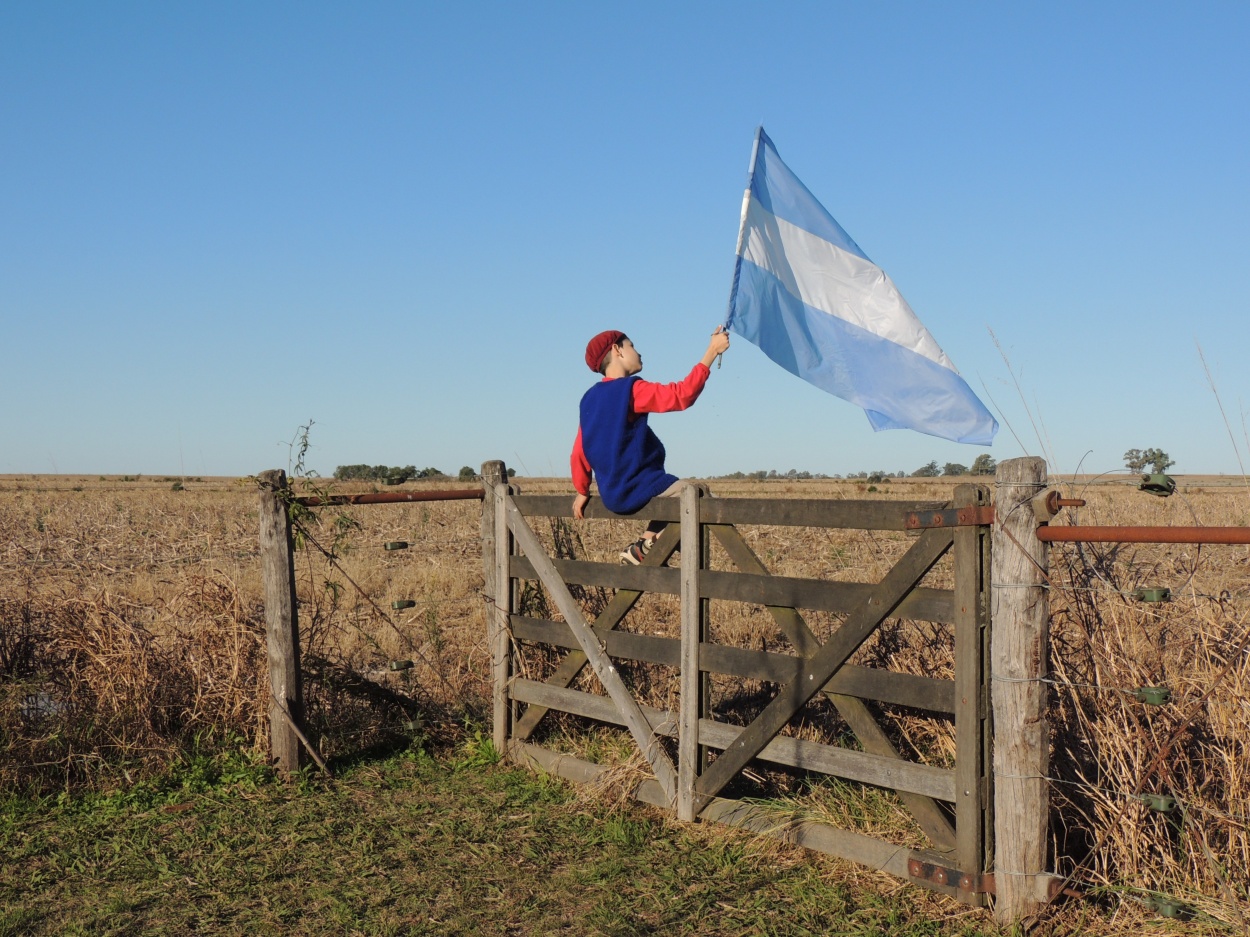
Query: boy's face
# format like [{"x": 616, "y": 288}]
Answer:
[{"x": 629, "y": 357}]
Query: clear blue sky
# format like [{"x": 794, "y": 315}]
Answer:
[{"x": 404, "y": 221}]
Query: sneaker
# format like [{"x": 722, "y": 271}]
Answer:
[{"x": 636, "y": 552}]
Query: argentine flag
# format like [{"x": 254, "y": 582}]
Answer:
[{"x": 806, "y": 294}]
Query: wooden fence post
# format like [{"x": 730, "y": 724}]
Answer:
[
  {"x": 277, "y": 560},
  {"x": 971, "y": 698},
  {"x": 496, "y": 548},
  {"x": 692, "y": 628},
  {"x": 1020, "y": 660}
]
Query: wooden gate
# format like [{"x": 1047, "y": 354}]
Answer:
[{"x": 694, "y": 756}]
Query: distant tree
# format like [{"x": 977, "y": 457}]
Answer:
[
  {"x": 954, "y": 468},
  {"x": 927, "y": 471},
  {"x": 879, "y": 477},
  {"x": 1137, "y": 459},
  {"x": 512, "y": 473},
  {"x": 984, "y": 464},
  {"x": 467, "y": 474}
]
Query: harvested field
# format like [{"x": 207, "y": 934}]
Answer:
[{"x": 131, "y": 632}]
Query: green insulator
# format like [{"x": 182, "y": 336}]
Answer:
[
  {"x": 396, "y": 545},
  {"x": 1157, "y": 484},
  {"x": 401, "y": 604},
  {"x": 1153, "y": 695},
  {"x": 1170, "y": 907},
  {"x": 1160, "y": 802},
  {"x": 401, "y": 665},
  {"x": 1153, "y": 594}
]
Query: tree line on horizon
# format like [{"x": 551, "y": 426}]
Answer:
[
  {"x": 1135, "y": 460},
  {"x": 397, "y": 475}
]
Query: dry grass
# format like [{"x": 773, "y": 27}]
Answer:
[{"x": 130, "y": 630}]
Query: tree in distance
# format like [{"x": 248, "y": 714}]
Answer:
[
  {"x": 927, "y": 471},
  {"x": 466, "y": 473},
  {"x": 1137, "y": 459},
  {"x": 387, "y": 474},
  {"x": 954, "y": 468},
  {"x": 984, "y": 464}
]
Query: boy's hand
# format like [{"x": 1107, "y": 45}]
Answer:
[
  {"x": 717, "y": 346},
  {"x": 579, "y": 506}
]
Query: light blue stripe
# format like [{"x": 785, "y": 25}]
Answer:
[
  {"x": 782, "y": 193},
  {"x": 899, "y": 388}
]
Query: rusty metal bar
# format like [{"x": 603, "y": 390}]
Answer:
[
  {"x": 395, "y": 497},
  {"x": 1145, "y": 534}
]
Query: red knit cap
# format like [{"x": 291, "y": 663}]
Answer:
[{"x": 600, "y": 345}]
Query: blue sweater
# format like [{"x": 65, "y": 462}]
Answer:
[{"x": 625, "y": 454}]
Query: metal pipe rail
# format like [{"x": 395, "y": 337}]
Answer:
[
  {"x": 395, "y": 497},
  {"x": 1144, "y": 534}
]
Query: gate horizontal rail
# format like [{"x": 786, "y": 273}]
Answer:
[
  {"x": 884, "y": 686},
  {"x": 782, "y": 750},
  {"x": 772, "y": 512},
  {"x": 393, "y": 497},
  {"x": 923, "y": 604}
]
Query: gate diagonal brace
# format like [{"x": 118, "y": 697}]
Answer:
[
  {"x": 977, "y": 515},
  {"x": 817, "y": 670}
]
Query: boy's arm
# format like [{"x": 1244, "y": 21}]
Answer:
[
  {"x": 646, "y": 397},
  {"x": 581, "y": 476}
]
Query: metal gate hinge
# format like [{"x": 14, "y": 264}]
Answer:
[
  {"x": 978, "y": 515},
  {"x": 977, "y": 883}
]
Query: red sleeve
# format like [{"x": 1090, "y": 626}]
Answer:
[
  {"x": 579, "y": 466},
  {"x": 665, "y": 398}
]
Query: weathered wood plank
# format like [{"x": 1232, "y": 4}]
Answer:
[
  {"x": 604, "y": 669},
  {"x": 1020, "y": 658},
  {"x": 820, "y": 837},
  {"x": 645, "y": 578},
  {"x": 277, "y": 563},
  {"x": 885, "y": 686},
  {"x": 970, "y": 709},
  {"x": 931, "y": 816},
  {"x": 501, "y": 611},
  {"x": 779, "y": 512},
  {"x": 867, "y": 768},
  {"x": 922, "y": 604},
  {"x": 820, "y": 667},
  {"x": 691, "y": 634},
  {"x": 620, "y": 605}
]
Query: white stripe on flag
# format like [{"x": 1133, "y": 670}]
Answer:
[{"x": 832, "y": 280}]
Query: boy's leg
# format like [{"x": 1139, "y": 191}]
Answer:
[
  {"x": 635, "y": 552},
  {"x": 655, "y": 528}
]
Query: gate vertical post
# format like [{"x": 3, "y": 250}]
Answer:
[
  {"x": 277, "y": 562},
  {"x": 692, "y": 632},
  {"x": 1020, "y": 660},
  {"x": 497, "y": 586},
  {"x": 971, "y": 699}
]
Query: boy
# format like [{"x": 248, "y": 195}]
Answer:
[{"x": 613, "y": 439}]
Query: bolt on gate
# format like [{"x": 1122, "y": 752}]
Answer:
[{"x": 694, "y": 757}]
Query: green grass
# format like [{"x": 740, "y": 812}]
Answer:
[{"x": 414, "y": 844}]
